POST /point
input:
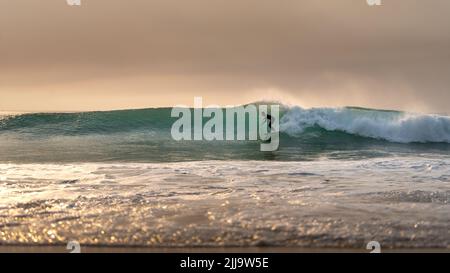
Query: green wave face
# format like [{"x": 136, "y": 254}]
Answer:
[{"x": 144, "y": 136}]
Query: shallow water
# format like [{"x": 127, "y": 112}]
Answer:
[{"x": 402, "y": 202}]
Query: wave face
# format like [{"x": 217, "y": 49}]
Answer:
[
  {"x": 87, "y": 122},
  {"x": 387, "y": 125},
  {"x": 144, "y": 136}
]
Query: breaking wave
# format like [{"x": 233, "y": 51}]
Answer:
[{"x": 379, "y": 124}]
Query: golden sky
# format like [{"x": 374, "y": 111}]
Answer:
[{"x": 111, "y": 54}]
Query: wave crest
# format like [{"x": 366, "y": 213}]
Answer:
[{"x": 387, "y": 125}]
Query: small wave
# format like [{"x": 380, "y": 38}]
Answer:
[
  {"x": 387, "y": 125},
  {"x": 82, "y": 123},
  {"x": 417, "y": 196}
]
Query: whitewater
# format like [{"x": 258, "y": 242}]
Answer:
[{"x": 387, "y": 125}]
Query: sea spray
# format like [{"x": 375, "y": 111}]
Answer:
[{"x": 387, "y": 125}]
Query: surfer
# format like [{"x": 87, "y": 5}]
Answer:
[{"x": 268, "y": 118}]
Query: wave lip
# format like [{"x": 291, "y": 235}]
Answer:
[{"x": 392, "y": 126}]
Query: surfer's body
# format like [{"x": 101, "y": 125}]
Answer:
[{"x": 269, "y": 119}]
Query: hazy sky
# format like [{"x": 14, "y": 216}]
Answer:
[{"x": 110, "y": 54}]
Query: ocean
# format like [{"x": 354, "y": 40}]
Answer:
[{"x": 341, "y": 177}]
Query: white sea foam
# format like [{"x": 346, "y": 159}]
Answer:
[{"x": 387, "y": 125}]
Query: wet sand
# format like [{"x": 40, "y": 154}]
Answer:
[{"x": 99, "y": 249}]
